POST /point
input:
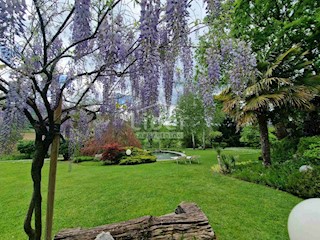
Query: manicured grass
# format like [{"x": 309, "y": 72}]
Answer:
[{"x": 91, "y": 195}]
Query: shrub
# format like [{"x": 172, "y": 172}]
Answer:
[
  {"x": 14, "y": 157},
  {"x": 27, "y": 148},
  {"x": 64, "y": 150},
  {"x": 309, "y": 147},
  {"x": 305, "y": 142},
  {"x": 305, "y": 184},
  {"x": 80, "y": 159},
  {"x": 132, "y": 160},
  {"x": 313, "y": 153},
  {"x": 112, "y": 152},
  {"x": 228, "y": 163},
  {"x": 124, "y": 136},
  {"x": 284, "y": 176},
  {"x": 250, "y": 136},
  {"x": 283, "y": 150}
]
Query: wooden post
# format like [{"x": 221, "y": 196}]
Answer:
[{"x": 53, "y": 171}]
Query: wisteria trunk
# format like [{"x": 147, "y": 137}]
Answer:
[
  {"x": 264, "y": 138},
  {"x": 41, "y": 149},
  {"x": 193, "y": 141}
]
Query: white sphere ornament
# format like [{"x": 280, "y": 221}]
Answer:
[
  {"x": 305, "y": 168},
  {"x": 128, "y": 152},
  {"x": 304, "y": 220}
]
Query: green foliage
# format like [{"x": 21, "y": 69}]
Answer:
[
  {"x": 27, "y": 148},
  {"x": 250, "y": 136},
  {"x": 190, "y": 112},
  {"x": 133, "y": 160},
  {"x": 230, "y": 135},
  {"x": 272, "y": 26},
  {"x": 284, "y": 149},
  {"x": 313, "y": 153},
  {"x": 138, "y": 156},
  {"x": 228, "y": 163},
  {"x": 118, "y": 156},
  {"x": 64, "y": 150},
  {"x": 305, "y": 142},
  {"x": 80, "y": 159},
  {"x": 219, "y": 146},
  {"x": 305, "y": 184},
  {"x": 285, "y": 176},
  {"x": 14, "y": 157}
]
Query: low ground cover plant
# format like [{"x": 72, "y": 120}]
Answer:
[
  {"x": 288, "y": 156},
  {"x": 284, "y": 177}
]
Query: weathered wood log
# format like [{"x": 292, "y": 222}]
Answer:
[{"x": 188, "y": 222}]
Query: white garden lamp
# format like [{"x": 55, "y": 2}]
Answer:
[{"x": 304, "y": 220}]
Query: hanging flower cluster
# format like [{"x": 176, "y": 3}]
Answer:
[
  {"x": 81, "y": 26},
  {"x": 11, "y": 20},
  {"x": 213, "y": 7},
  {"x": 147, "y": 54},
  {"x": 13, "y": 119}
]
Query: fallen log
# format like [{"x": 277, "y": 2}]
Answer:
[{"x": 187, "y": 222}]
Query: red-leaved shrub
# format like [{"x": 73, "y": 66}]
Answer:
[
  {"x": 123, "y": 136},
  {"x": 112, "y": 152}
]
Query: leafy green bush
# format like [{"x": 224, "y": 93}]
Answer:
[
  {"x": 283, "y": 150},
  {"x": 14, "y": 157},
  {"x": 228, "y": 163},
  {"x": 305, "y": 184},
  {"x": 313, "y": 153},
  {"x": 27, "y": 148},
  {"x": 250, "y": 136},
  {"x": 309, "y": 148},
  {"x": 80, "y": 159},
  {"x": 132, "y": 160},
  {"x": 137, "y": 156},
  {"x": 284, "y": 176},
  {"x": 64, "y": 150}
]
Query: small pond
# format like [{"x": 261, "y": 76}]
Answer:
[{"x": 164, "y": 155}]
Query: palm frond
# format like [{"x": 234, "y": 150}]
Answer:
[
  {"x": 245, "y": 118},
  {"x": 279, "y": 60},
  {"x": 265, "y": 85}
]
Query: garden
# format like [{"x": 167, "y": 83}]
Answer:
[
  {"x": 114, "y": 110},
  {"x": 108, "y": 194}
]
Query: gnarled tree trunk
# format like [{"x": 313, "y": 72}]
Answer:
[{"x": 41, "y": 149}]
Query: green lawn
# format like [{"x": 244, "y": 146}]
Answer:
[{"x": 91, "y": 195}]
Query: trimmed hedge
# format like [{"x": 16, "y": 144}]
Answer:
[
  {"x": 80, "y": 159},
  {"x": 137, "y": 156},
  {"x": 132, "y": 160}
]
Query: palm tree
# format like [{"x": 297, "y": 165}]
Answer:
[{"x": 282, "y": 84}]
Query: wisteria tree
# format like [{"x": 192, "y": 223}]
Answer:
[{"x": 79, "y": 54}]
